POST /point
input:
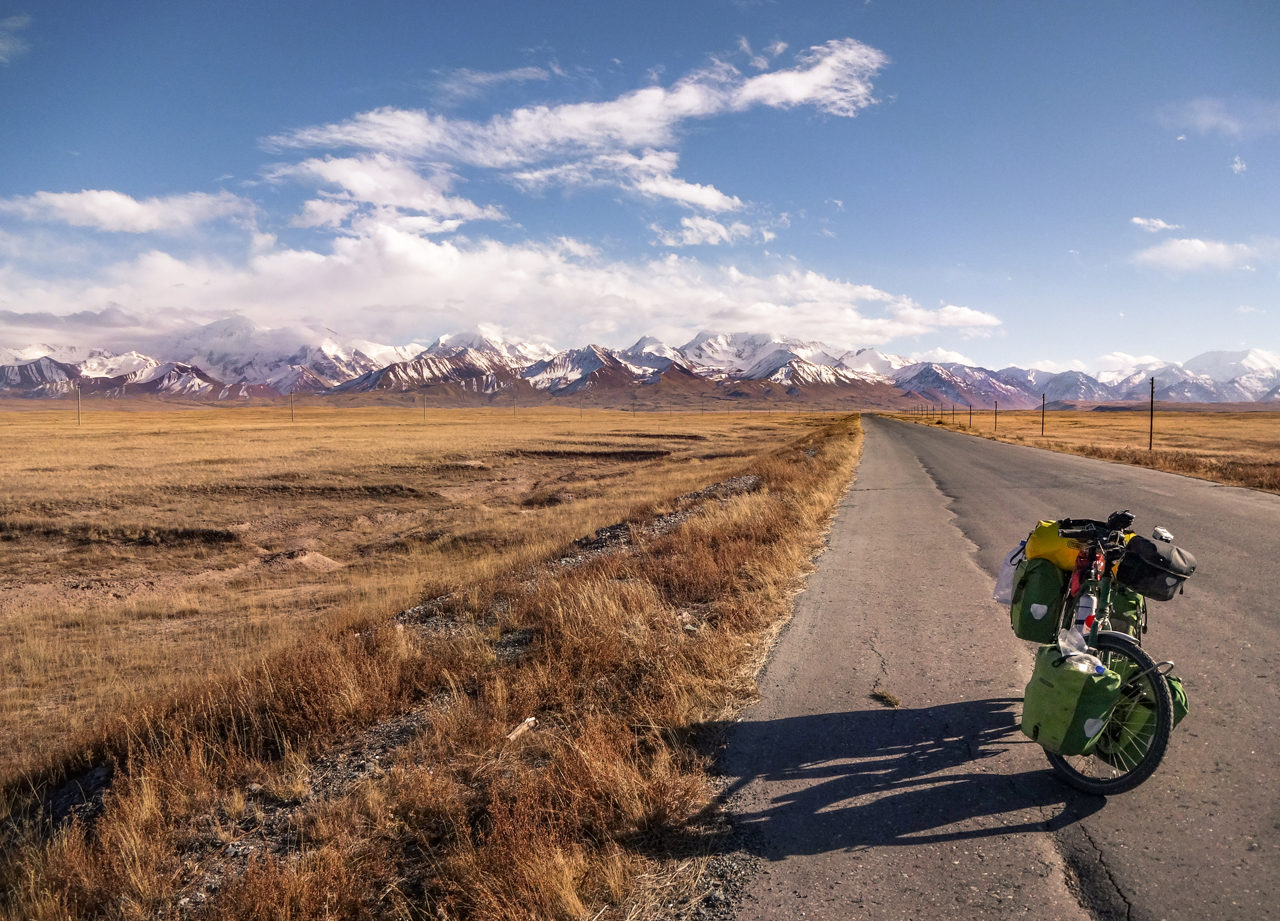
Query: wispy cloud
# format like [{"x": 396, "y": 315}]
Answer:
[
  {"x": 650, "y": 174},
  {"x": 761, "y": 60},
  {"x": 1214, "y": 115},
  {"x": 465, "y": 84},
  {"x": 695, "y": 231},
  {"x": 11, "y": 43},
  {"x": 386, "y": 190},
  {"x": 386, "y": 181},
  {"x": 1238, "y": 166},
  {"x": 1154, "y": 224},
  {"x": 835, "y": 78},
  {"x": 103, "y": 209}
]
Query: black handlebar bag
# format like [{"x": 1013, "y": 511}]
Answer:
[{"x": 1154, "y": 569}]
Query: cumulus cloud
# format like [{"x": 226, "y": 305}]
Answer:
[
  {"x": 1154, "y": 224},
  {"x": 949, "y": 316},
  {"x": 103, "y": 209},
  {"x": 400, "y": 283},
  {"x": 1058, "y": 367},
  {"x": 943, "y": 356},
  {"x": 323, "y": 212},
  {"x": 1190, "y": 254},
  {"x": 1238, "y": 166},
  {"x": 11, "y": 43}
]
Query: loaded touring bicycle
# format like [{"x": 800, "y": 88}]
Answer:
[{"x": 1098, "y": 704}]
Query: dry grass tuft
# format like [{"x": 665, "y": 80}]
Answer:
[{"x": 367, "y": 771}]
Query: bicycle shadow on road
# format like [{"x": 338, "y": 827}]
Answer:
[{"x": 883, "y": 777}]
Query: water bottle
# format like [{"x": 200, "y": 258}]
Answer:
[{"x": 1071, "y": 641}]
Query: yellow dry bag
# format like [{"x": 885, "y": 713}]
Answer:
[{"x": 1045, "y": 544}]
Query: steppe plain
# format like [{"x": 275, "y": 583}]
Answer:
[{"x": 262, "y": 663}]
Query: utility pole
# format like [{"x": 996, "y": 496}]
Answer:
[
  {"x": 1042, "y": 415},
  {"x": 1151, "y": 430},
  {"x": 292, "y": 417},
  {"x": 78, "y": 419},
  {"x": 995, "y": 416}
]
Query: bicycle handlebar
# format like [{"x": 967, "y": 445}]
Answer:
[{"x": 1092, "y": 529}]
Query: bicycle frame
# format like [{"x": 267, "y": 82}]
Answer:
[{"x": 1092, "y": 575}]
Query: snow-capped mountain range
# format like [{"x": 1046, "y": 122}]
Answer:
[{"x": 234, "y": 359}]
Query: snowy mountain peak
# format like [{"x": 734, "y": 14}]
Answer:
[
  {"x": 873, "y": 361},
  {"x": 1227, "y": 366}
]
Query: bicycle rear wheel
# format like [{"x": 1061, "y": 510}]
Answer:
[{"x": 1137, "y": 732}]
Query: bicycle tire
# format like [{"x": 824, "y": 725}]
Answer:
[{"x": 1126, "y": 756}]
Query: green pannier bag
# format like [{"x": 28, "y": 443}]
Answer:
[
  {"x": 1128, "y": 733},
  {"x": 1038, "y": 594},
  {"x": 1065, "y": 709},
  {"x": 1128, "y": 610}
]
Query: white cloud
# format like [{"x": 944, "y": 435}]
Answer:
[
  {"x": 1188, "y": 255},
  {"x": 103, "y": 209},
  {"x": 11, "y": 45},
  {"x": 410, "y": 156},
  {"x": 949, "y": 315},
  {"x": 943, "y": 356},
  {"x": 323, "y": 212},
  {"x": 1058, "y": 367},
  {"x": 1245, "y": 309},
  {"x": 1238, "y": 166},
  {"x": 651, "y": 174},
  {"x": 1234, "y": 119},
  {"x": 834, "y": 78},
  {"x": 702, "y": 230},
  {"x": 465, "y": 84},
  {"x": 387, "y": 181},
  {"x": 396, "y": 283},
  {"x": 1154, "y": 224}
]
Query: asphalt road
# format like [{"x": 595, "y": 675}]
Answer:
[{"x": 940, "y": 807}]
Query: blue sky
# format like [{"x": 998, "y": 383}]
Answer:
[{"x": 1007, "y": 182}]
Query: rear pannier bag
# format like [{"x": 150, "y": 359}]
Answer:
[
  {"x": 1044, "y": 543},
  {"x": 1154, "y": 569},
  {"x": 1064, "y": 709},
  {"x": 1036, "y": 609},
  {"x": 1128, "y": 733}
]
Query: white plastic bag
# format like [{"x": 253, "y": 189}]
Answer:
[{"x": 1004, "y": 582}]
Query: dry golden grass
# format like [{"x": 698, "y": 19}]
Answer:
[
  {"x": 1235, "y": 448},
  {"x": 223, "y": 695}
]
